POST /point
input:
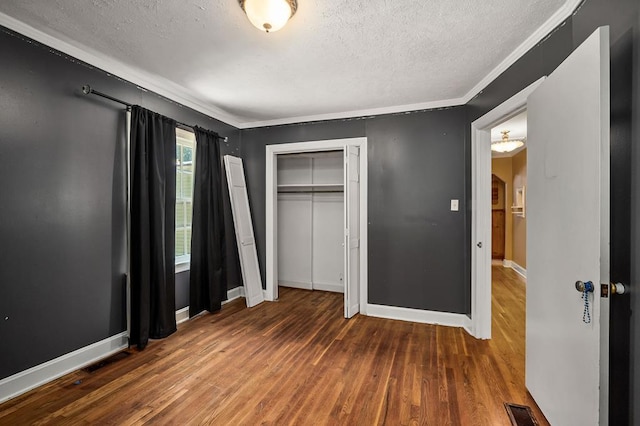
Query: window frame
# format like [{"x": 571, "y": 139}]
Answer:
[{"x": 184, "y": 138}]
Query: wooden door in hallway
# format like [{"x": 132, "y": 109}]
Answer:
[
  {"x": 497, "y": 234},
  {"x": 498, "y": 218}
]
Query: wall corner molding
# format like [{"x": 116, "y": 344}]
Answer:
[{"x": 143, "y": 79}]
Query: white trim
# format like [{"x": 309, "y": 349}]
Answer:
[
  {"x": 296, "y": 284},
  {"x": 481, "y": 207},
  {"x": 146, "y": 81},
  {"x": 271, "y": 208},
  {"x": 519, "y": 269},
  {"x": 233, "y": 294},
  {"x": 182, "y": 315},
  {"x": 543, "y": 31},
  {"x": 181, "y": 95},
  {"x": 333, "y": 287},
  {"x": 418, "y": 315},
  {"x": 26, "y": 380},
  {"x": 506, "y": 263},
  {"x": 357, "y": 113},
  {"x": 184, "y": 266}
]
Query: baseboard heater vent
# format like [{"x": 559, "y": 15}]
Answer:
[
  {"x": 520, "y": 415},
  {"x": 112, "y": 359}
]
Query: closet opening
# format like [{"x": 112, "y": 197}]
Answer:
[
  {"x": 311, "y": 220},
  {"x": 316, "y": 219}
]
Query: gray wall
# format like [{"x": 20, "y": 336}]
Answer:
[
  {"x": 416, "y": 166},
  {"x": 62, "y": 208}
]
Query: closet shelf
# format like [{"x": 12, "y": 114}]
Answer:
[{"x": 311, "y": 187}]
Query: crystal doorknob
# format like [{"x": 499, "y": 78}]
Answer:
[{"x": 583, "y": 287}]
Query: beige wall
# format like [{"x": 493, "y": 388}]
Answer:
[
  {"x": 519, "y": 244},
  {"x": 502, "y": 168}
]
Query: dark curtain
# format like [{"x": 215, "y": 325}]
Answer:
[
  {"x": 207, "y": 286},
  {"x": 153, "y": 198}
]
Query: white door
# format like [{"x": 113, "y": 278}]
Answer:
[
  {"x": 352, "y": 230},
  {"x": 244, "y": 230},
  {"x": 568, "y": 237}
]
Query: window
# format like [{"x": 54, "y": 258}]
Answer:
[{"x": 185, "y": 164}]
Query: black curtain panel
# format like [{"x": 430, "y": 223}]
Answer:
[
  {"x": 153, "y": 198},
  {"x": 207, "y": 286}
]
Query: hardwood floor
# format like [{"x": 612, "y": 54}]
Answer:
[{"x": 297, "y": 361}]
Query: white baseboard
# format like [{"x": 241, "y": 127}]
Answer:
[
  {"x": 513, "y": 265},
  {"x": 333, "y": 287},
  {"x": 419, "y": 315},
  {"x": 233, "y": 294},
  {"x": 182, "y": 315},
  {"x": 26, "y": 380},
  {"x": 519, "y": 269},
  {"x": 296, "y": 284}
]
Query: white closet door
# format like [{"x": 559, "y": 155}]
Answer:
[
  {"x": 244, "y": 230},
  {"x": 352, "y": 231}
]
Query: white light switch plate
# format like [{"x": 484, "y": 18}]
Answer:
[{"x": 454, "y": 205}]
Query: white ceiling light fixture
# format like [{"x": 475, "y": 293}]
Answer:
[
  {"x": 269, "y": 15},
  {"x": 506, "y": 144}
]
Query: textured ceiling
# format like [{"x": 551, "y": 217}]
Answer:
[{"x": 334, "y": 58}]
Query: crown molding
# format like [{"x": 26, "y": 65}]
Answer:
[
  {"x": 179, "y": 94},
  {"x": 355, "y": 113},
  {"x": 145, "y": 81},
  {"x": 543, "y": 31}
]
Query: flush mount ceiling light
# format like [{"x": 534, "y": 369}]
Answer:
[
  {"x": 506, "y": 144},
  {"x": 269, "y": 15}
]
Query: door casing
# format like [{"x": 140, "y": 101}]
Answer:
[
  {"x": 271, "y": 208},
  {"x": 481, "y": 207}
]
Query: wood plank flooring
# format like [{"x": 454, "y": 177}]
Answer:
[{"x": 297, "y": 361}]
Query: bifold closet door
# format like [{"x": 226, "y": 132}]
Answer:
[
  {"x": 352, "y": 232},
  {"x": 244, "y": 230}
]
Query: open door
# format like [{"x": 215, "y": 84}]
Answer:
[
  {"x": 244, "y": 230},
  {"x": 352, "y": 231},
  {"x": 568, "y": 237}
]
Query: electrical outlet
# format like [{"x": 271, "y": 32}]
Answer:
[{"x": 454, "y": 205}]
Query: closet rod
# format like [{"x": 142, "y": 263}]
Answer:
[{"x": 88, "y": 90}]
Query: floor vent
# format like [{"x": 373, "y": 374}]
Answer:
[
  {"x": 98, "y": 365},
  {"x": 520, "y": 415}
]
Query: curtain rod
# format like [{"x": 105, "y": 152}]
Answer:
[{"x": 88, "y": 90}]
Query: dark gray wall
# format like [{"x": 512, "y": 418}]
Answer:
[
  {"x": 416, "y": 166},
  {"x": 62, "y": 214}
]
